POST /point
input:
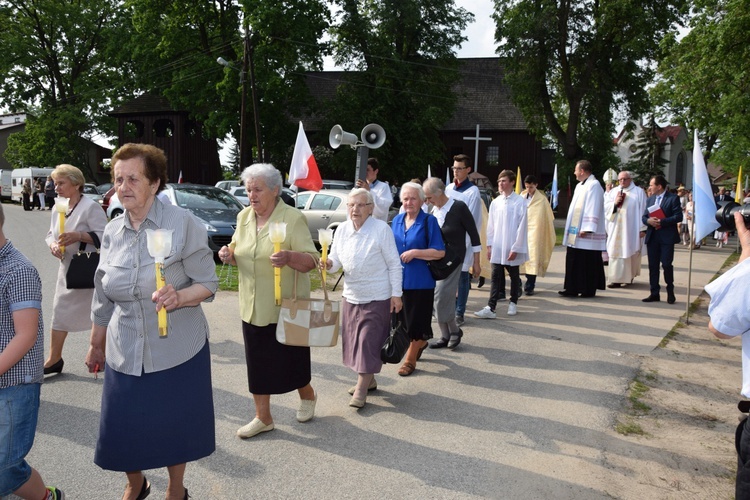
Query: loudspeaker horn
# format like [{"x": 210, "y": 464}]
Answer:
[
  {"x": 373, "y": 136},
  {"x": 338, "y": 137}
]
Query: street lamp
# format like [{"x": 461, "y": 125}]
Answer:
[{"x": 246, "y": 62}]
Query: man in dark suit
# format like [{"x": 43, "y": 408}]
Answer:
[
  {"x": 723, "y": 195},
  {"x": 661, "y": 236}
]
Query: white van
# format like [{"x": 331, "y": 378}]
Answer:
[
  {"x": 5, "y": 184},
  {"x": 19, "y": 176}
]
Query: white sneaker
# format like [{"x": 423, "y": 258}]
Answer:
[
  {"x": 512, "y": 309},
  {"x": 486, "y": 313}
]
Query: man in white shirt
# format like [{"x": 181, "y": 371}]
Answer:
[
  {"x": 507, "y": 243},
  {"x": 380, "y": 190},
  {"x": 623, "y": 208},
  {"x": 585, "y": 236},
  {"x": 469, "y": 194},
  {"x": 729, "y": 313}
]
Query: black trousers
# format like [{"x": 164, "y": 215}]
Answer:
[
  {"x": 660, "y": 253},
  {"x": 742, "y": 442},
  {"x": 497, "y": 288}
]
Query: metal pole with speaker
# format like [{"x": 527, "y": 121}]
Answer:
[{"x": 373, "y": 137}]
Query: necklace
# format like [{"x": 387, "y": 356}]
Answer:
[{"x": 71, "y": 210}]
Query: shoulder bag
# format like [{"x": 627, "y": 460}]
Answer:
[
  {"x": 441, "y": 268},
  {"x": 83, "y": 266},
  {"x": 308, "y": 322},
  {"x": 397, "y": 343}
]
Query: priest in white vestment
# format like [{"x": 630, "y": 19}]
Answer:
[
  {"x": 541, "y": 233},
  {"x": 585, "y": 236},
  {"x": 623, "y": 208}
]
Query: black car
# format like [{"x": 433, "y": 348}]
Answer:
[{"x": 216, "y": 208}]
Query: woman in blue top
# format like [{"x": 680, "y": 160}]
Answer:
[{"x": 418, "y": 239}]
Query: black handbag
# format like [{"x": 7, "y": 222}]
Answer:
[
  {"x": 397, "y": 343},
  {"x": 442, "y": 268},
  {"x": 83, "y": 266}
]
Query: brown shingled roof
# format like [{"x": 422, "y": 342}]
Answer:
[
  {"x": 143, "y": 104},
  {"x": 483, "y": 98}
]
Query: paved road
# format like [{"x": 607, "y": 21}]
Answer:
[{"x": 523, "y": 409}]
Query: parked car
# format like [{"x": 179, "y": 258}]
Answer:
[
  {"x": 332, "y": 184},
  {"x": 325, "y": 209},
  {"x": 90, "y": 191},
  {"x": 103, "y": 188},
  {"x": 240, "y": 193},
  {"x": 227, "y": 185},
  {"x": 216, "y": 208}
]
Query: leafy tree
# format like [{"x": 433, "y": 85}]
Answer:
[
  {"x": 647, "y": 160},
  {"x": 402, "y": 51},
  {"x": 53, "y": 138},
  {"x": 703, "y": 79},
  {"x": 176, "y": 44},
  {"x": 571, "y": 64},
  {"x": 55, "y": 63}
]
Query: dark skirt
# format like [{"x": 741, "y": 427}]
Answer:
[
  {"x": 584, "y": 271},
  {"x": 417, "y": 312},
  {"x": 273, "y": 368},
  {"x": 364, "y": 328},
  {"x": 159, "y": 419}
]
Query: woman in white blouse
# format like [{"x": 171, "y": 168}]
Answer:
[{"x": 364, "y": 246}]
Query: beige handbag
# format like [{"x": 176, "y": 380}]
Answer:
[{"x": 308, "y": 322}]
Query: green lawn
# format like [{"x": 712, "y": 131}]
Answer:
[{"x": 228, "y": 278}]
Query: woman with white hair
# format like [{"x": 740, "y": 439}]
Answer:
[
  {"x": 364, "y": 246},
  {"x": 272, "y": 368},
  {"x": 418, "y": 240}
]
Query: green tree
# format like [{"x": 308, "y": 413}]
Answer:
[
  {"x": 55, "y": 65},
  {"x": 572, "y": 64},
  {"x": 647, "y": 160},
  {"x": 402, "y": 51},
  {"x": 175, "y": 46},
  {"x": 703, "y": 79}
]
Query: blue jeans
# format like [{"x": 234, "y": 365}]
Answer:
[
  {"x": 464, "y": 283},
  {"x": 19, "y": 409}
]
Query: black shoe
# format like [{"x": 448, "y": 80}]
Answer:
[
  {"x": 480, "y": 283},
  {"x": 566, "y": 293},
  {"x": 671, "y": 299},
  {"x": 651, "y": 298},
  {"x": 452, "y": 344},
  {"x": 439, "y": 344},
  {"x": 145, "y": 490},
  {"x": 529, "y": 292},
  {"x": 588, "y": 295},
  {"x": 614, "y": 285},
  {"x": 55, "y": 368}
]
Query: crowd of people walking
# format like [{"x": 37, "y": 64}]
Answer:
[{"x": 157, "y": 367}]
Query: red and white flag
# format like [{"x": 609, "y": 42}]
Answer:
[
  {"x": 179, "y": 179},
  {"x": 304, "y": 171}
]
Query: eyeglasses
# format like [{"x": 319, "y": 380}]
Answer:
[
  {"x": 357, "y": 205},
  {"x": 459, "y": 168}
]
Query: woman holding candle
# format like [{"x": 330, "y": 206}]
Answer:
[
  {"x": 157, "y": 402},
  {"x": 272, "y": 368},
  {"x": 365, "y": 248},
  {"x": 71, "y": 309},
  {"x": 418, "y": 239}
]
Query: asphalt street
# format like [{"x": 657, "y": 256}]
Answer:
[{"x": 524, "y": 408}]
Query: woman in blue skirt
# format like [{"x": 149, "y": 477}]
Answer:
[{"x": 157, "y": 403}]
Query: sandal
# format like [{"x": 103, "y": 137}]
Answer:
[{"x": 406, "y": 369}]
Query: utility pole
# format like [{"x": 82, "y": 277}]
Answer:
[
  {"x": 243, "y": 110},
  {"x": 248, "y": 61}
]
